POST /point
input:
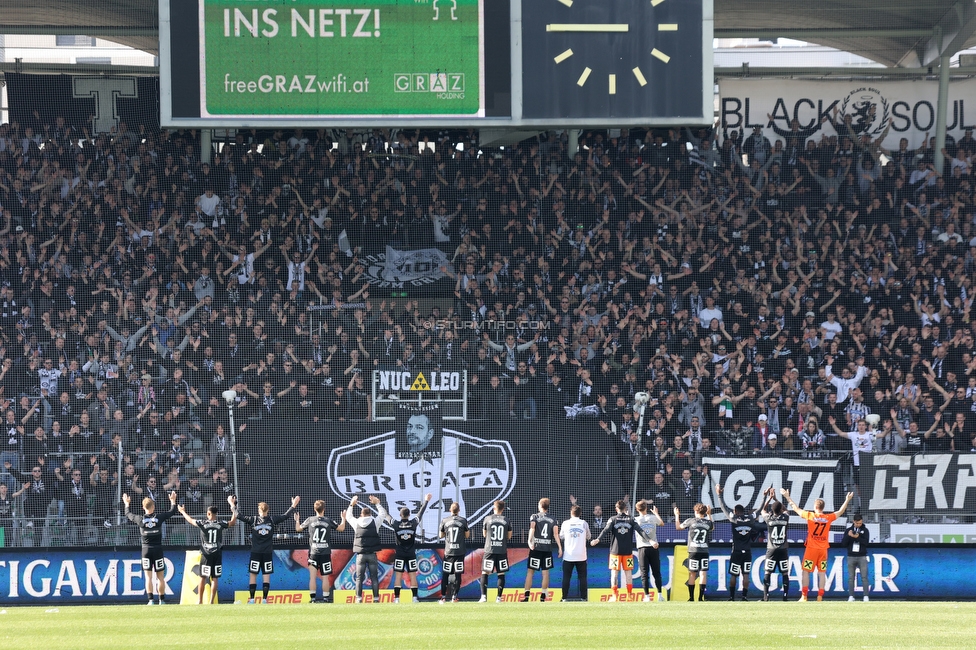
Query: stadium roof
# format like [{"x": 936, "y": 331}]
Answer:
[{"x": 906, "y": 33}]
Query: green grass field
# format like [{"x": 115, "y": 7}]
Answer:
[{"x": 471, "y": 625}]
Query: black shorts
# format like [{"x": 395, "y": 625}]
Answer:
[
  {"x": 454, "y": 566},
  {"x": 152, "y": 559},
  {"x": 405, "y": 564},
  {"x": 698, "y": 561},
  {"x": 778, "y": 558},
  {"x": 211, "y": 564},
  {"x": 495, "y": 563},
  {"x": 321, "y": 560},
  {"x": 741, "y": 562},
  {"x": 540, "y": 560},
  {"x": 261, "y": 563}
]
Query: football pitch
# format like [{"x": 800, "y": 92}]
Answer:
[{"x": 472, "y": 625}]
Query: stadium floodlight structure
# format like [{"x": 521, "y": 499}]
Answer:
[
  {"x": 230, "y": 396},
  {"x": 641, "y": 400}
]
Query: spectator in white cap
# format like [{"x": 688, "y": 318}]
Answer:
[
  {"x": 762, "y": 433},
  {"x": 772, "y": 447}
]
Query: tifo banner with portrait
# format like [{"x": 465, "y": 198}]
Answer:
[
  {"x": 895, "y": 109},
  {"x": 471, "y": 463}
]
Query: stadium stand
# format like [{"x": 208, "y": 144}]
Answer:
[{"x": 768, "y": 295}]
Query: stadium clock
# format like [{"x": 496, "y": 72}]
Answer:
[
  {"x": 656, "y": 52},
  {"x": 618, "y": 59}
]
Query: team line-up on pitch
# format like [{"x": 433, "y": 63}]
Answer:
[{"x": 547, "y": 538}]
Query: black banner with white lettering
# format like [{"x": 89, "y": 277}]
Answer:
[
  {"x": 924, "y": 484},
  {"x": 520, "y": 461},
  {"x": 97, "y": 103},
  {"x": 744, "y": 480},
  {"x": 475, "y": 464}
]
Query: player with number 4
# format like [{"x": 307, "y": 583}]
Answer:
[
  {"x": 818, "y": 541},
  {"x": 211, "y": 545},
  {"x": 543, "y": 535}
]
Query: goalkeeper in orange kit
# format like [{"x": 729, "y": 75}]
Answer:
[{"x": 818, "y": 541}]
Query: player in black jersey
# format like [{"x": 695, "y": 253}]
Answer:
[
  {"x": 454, "y": 530},
  {"x": 319, "y": 551},
  {"x": 623, "y": 528},
  {"x": 405, "y": 559},
  {"x": 699, "y": 530},
  {"x": 543, "y": 534},
  {"x": 211, "y": 545},
  {"x": 262, "y": 543},
  {"x": 745, "y": 527},
  {"x": 497, "y": 532},
  {"x": 777, "y": 545},
  {"x": 150, "y": 525}
]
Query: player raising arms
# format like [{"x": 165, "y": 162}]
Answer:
[
  {"x": 319, "y": 552},
  {"x": 150, "y": 525},
  {"x": 648, "y": 554},
  {"x": 211, "y": 545},
  {"x": 454, "y": 530},
  {"x": 623, "y": 527},
  {"x": 405, "y": 559},
  {"x": 699, "y": 530},
  {"x": 818, "y": 541},
  {"x": 497, "y": 532},
  {"x": 744, "y": 529},
  {"x": 262, "y": 541},
  {"x": 543, "y": 534},
  {"x": 777, "y": 546}
]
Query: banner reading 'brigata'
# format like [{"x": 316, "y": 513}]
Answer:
[{"x": 895, "y": 109}]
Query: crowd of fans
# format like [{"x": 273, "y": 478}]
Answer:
[{"x": 768, "y": 295}]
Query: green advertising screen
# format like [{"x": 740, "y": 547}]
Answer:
[{"x": 342, "y": 58}]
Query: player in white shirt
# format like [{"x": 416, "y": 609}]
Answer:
[{"x": 575, "y": 534}]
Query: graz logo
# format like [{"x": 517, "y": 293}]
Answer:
[
  {"x": 396, "y": 268},
  {"x": 869, "y": 111},
  {"x": 472, "y": 471}
]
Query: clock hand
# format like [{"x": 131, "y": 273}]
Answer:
[{"x": 588, "y": 27}]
